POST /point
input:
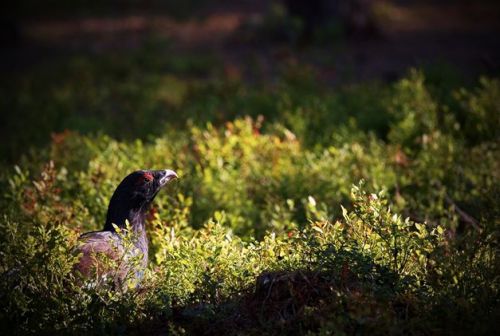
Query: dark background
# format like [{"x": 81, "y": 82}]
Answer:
[{"x": 89, "y": 65}]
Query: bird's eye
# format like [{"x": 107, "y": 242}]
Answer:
[{"x": 148, "y": 177}]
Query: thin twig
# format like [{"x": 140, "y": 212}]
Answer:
[{"x": 463, "y": 215}]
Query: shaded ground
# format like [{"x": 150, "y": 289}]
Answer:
[{"x": 462, "y": 34}]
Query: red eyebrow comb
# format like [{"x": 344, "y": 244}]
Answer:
[{"x": 148, "y": 176}]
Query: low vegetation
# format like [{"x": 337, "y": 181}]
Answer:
[{"x": 372, "y": 208}]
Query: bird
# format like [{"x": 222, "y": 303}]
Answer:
[{"x": 118, "y": 254}]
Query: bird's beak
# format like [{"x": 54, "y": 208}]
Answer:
[{"x": 166, "y": 176}]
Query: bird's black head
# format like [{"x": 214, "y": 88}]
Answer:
[
  {"x": 134, "y": 194},
  {"x": 141, "y": 187}
]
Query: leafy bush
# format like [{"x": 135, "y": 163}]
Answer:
[{"x": 269, "y": 229}]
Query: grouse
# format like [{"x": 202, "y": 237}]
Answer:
[{"x": 118, "y": 254}]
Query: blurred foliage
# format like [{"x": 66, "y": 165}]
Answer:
[
  {"x": 143, "y": 95},
  {"x": 269, "y": 228}
]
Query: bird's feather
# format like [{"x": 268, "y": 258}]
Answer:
[
  {"x": 106, "y": 257},
  {"x": 119, "y": 253}
]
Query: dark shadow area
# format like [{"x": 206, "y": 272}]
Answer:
[{"x": 347, "y": 291}]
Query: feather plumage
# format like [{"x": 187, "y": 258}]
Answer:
[{"x": 119, "y": 253}]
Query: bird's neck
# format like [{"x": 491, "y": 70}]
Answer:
[
  {"x": 137, "y": 220},
  {"x": 119, "y": 214}
]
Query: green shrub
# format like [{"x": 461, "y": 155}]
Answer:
[{"x": 264, "y": 231}]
